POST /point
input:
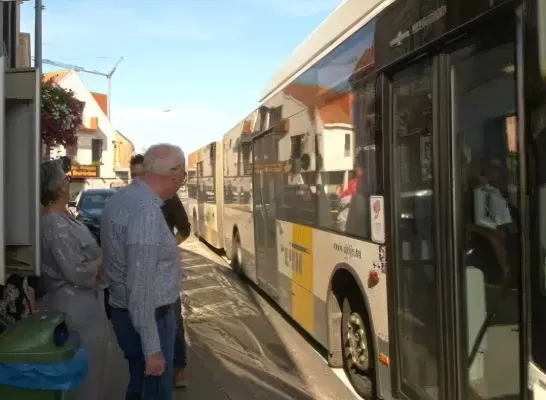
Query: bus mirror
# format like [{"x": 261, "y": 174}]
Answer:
[{"x": 541, "y": 24}]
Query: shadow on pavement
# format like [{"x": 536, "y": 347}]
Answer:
[
  {"x": 228, "y": 331},
  {"x": 234, "y": 351}
]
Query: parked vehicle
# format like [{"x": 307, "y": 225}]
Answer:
[{"x": 89, "y": 206}]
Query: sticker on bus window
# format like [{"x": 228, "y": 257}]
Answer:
[{"x": 377, "y": 219}]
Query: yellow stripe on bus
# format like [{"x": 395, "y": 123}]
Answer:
[{"x": 302, "y": 276}]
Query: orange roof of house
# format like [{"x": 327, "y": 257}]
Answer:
[
  {"x": 306, "y": 94},
  {"x": 337, "y": 109},
  {"x": 334, "y": 108},
  {"x": 102, "y": 101},
  {"x": 57, "y": 76}
]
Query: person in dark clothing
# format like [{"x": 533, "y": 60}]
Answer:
[{"x": 176, "y": 217}]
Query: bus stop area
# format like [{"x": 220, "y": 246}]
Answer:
[{"x": 239, "y": 346}]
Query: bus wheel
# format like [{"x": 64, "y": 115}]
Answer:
[
  {"x": 237, "y": 254},
  {"x": 356, "y": 343}
]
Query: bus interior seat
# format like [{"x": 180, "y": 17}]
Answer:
[{"x": 476, "y": 315}]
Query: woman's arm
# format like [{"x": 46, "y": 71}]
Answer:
[{"x": 70, "y": 257}]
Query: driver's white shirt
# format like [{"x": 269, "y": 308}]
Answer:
[{"x": 490, "y": 207}]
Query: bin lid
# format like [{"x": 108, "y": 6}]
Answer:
[{"x": 30, "y": 340}]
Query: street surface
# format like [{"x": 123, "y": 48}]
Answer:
[{"x": 239, "y": 347}]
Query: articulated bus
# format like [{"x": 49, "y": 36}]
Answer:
[
  {"x": 390, "y": 195},
  {"x": 205, "y": 193}
]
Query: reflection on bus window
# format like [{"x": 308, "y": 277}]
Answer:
[
  {"x": 414, "y": 198},
  {"x": 484, "y": 100},
  {"x": 330, "y": 176}
]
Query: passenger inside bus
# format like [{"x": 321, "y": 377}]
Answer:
[
  {"x": 358, "y": 208},
  {"x": 493, "y": 226}
]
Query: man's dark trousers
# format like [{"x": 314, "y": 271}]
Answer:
[
  {"x": 143, "y": 387},
  {"x": 180, "y": 342}
]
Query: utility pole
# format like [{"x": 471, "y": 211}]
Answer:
[
  {"x": 109, "y": 81},
  {"x": 108, "y": 76},
  {"x": 38, "y": 8}
]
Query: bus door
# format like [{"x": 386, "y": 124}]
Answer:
[
  {"x": 414, "y": 235},
  {"x": 453, "y": 191},
  {"x": 265, "y": 223},
  {"x": 536, "y": 277}
]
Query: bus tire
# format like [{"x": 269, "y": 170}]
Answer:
[
  {"x": 237, "y": 253},
  {"x": 357, "y": 345}
]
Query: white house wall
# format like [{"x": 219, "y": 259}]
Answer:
[
  {"x": 105, "y": 131},
  {"x": 300, "y": 123},
  {"x": 333, "y": 148}
]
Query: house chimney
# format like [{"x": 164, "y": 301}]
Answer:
[{"x": 23, "y": 51}]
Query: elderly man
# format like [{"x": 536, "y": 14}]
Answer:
[
  {"x": 176, "y": 217},
  {"x": 142, "y": 264}
]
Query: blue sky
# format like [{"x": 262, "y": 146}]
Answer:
[{"x": 205, "y": 60}]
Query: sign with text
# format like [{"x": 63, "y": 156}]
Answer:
[
  {"x": 377, "y": 220},
  {"x": 84, "y": 171}
]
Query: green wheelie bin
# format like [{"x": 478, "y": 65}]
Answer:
[{"x": 37, "y": 361}]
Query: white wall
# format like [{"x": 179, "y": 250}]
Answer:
[
  {"x": 105, "y": 131},
  {"x": 333, "y": 147}
]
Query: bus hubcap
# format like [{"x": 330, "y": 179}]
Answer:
[{"x": 357, "y": 342}]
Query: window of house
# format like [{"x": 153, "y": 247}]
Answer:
[
  {"x": 275, "y": 116},
  {"x": 263, "y": 118},
  {"x": 71, "y": 151},
  {"x": 347, "y": 151},
  {"x": 96, "y": 150},
  {"x": 296, "y": 146}
]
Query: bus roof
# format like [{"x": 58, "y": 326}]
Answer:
[{"x": 338, "y": 23}]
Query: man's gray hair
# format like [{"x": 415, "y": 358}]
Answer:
[
  {"x": 164, "y": 159},
  {"x": 51, "y": 178}
]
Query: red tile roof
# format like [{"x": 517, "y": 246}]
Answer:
[
  {"x": 337, "y": 109},
  {"x": 57, "y": 76},
  {"x": 102, "y": 101}
]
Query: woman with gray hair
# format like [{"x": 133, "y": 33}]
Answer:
[{"x": 72, "y": 276}]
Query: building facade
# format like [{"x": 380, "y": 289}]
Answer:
[
  {"x": 98, "y": 158},
  {"x": 123, "y": 151}
]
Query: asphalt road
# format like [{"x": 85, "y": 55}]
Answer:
[{"x": 239, "y": 347}]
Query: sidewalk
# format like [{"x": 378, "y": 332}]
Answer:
[
  {"x": 198, "y": 375},
  {"x": 239, "y": 347}
]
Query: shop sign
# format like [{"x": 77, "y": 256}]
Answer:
[{"x": 84, "y": 171}]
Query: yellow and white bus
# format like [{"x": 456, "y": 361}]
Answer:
[
  {"x": 389, "y": 195},
  {"x": 205, "y": 194}
]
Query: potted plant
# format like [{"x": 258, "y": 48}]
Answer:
[{"x": 61, "y": 116}]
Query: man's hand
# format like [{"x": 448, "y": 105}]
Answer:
[
  {"x": 100, "y": 274},
  {"x": 155, "y": 364}
]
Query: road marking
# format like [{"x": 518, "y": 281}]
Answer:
[
  {"x": 210, "y": 307},
  {"x": 199, "y": 276},
  {"x": 198, "y": 266},
  {"x": 340, "y": 372},
  {"x": 201, "y": 289}
]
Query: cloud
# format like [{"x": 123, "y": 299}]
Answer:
[{"x": 190, "y": 129}]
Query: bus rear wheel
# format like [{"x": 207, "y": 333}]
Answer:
[
  {"x": 356, "y": 344},
  {"x": 237, "y": 254}
]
